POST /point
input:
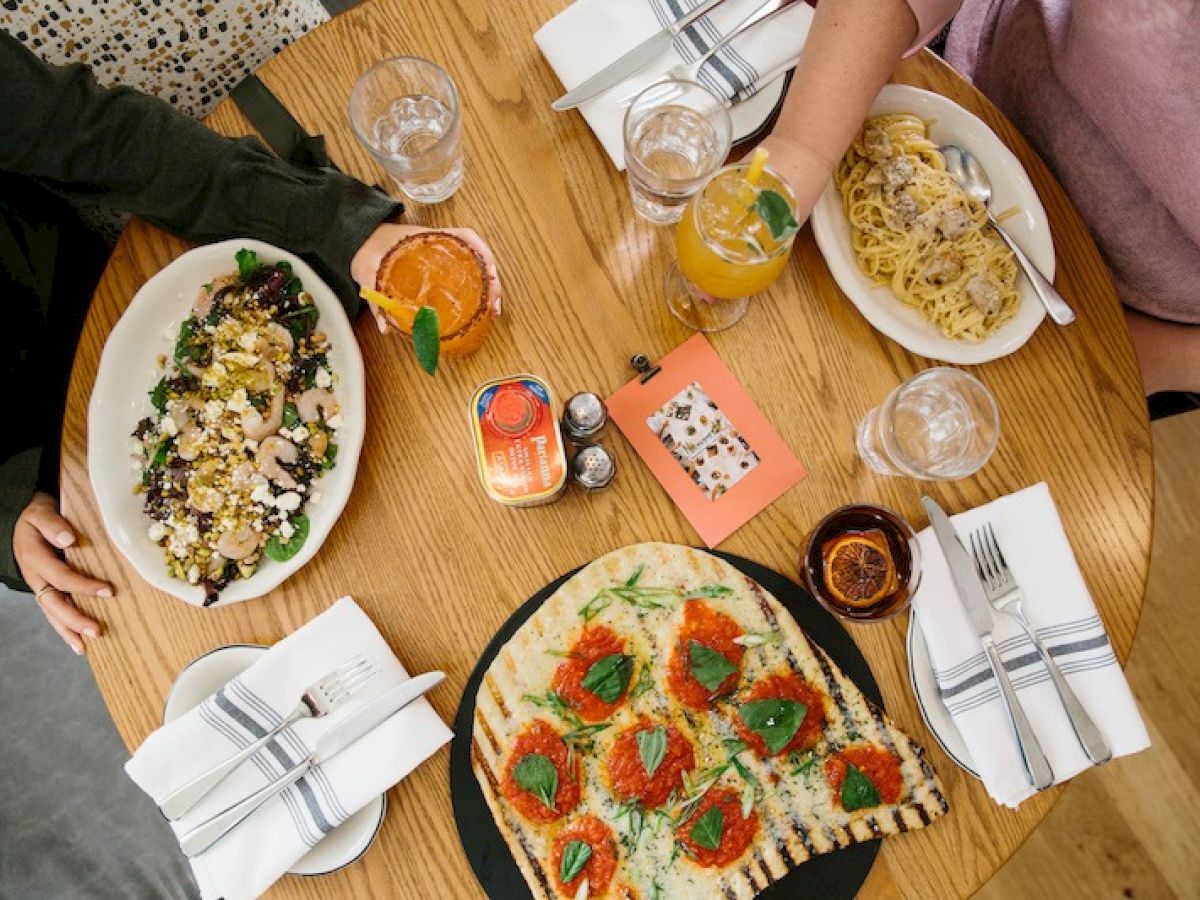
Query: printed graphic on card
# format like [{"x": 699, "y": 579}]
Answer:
[
  {"x": 711, "y": 448},
  {"x": 703, "y": 441}
]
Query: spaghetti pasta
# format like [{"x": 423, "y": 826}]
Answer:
[{"x": 914, "y": 230}]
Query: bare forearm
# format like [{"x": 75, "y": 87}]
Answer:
[{"x": 851, "y": 51}]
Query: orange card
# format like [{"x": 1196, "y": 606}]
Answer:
[{"x": 697, "y": 429}]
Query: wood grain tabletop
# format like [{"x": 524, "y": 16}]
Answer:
[{"x": 439, "y": 567}]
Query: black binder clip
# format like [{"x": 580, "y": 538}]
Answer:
[{"x": 646, "y": 370}]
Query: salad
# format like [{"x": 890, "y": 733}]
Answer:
[{"x": 245, "y": 420}]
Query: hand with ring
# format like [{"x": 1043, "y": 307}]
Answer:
[{"x": 39, "y": 534}]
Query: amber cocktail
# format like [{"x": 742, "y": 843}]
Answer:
[{"x": 443, "y": 272}]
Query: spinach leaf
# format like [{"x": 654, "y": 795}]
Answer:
[
  {"x": 776, "y": 721},
  {"x": 536, "y": 774},
  {"x": 652, "y": 748},
  {"x": 575, "y": 857},
  {"x": 247, "y": 262},
  {"x": 280, "y": 550},
  {"x": 608, "y": 678},
  {"x": 158, "y": 396},
  {"x": 709, "y": 667},
  {"x": 291, "y": 415}
]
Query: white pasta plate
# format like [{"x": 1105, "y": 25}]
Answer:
[
  {"x": 120, "y": 399},
  {"x": 1011, "y": 187}
]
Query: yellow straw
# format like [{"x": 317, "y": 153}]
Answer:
[
  {"x": 383, "y": 301},
  {"x": 757, "y": 162}
]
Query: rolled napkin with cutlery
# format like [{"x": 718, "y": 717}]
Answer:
[
  {"x": 590, "y": 34},
  {"x": 1057, "y": 604},
  {"x": 264, "y": 845}
]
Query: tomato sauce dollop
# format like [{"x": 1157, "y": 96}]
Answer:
[
  {"x": 881, "y": 768},
  {"x": 627, "y": 774},
  {"x": 736, "y": 833},
  {"x": 715, "y": 630},
  {"x": 595, "y": 643},
  {"x": 539, "y": 736},
  {"x": 601, "y": 865},
  {"x": 789, "y": 686}
]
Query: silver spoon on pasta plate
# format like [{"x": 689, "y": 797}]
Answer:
[{"x": 966, "y": 170}]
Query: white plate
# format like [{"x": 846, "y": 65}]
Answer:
[
  {"x": 950, "y": 124},
  {"x": 120, "y": 399},
  {"x": 205, "y": 675},
  {"x": 752, "y": 113},
  {"x": 929, "y": 700}
]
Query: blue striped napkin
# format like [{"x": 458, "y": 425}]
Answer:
[{"x": 1061, "y": 610}]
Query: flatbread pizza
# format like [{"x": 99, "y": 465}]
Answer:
[{"x": 661, "y": 727}]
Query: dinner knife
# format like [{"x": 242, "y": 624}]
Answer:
[
  {"x": 973, "y": 597},
  {"x": 633, "y": 61},
  {"x": 333, "y": 742}
]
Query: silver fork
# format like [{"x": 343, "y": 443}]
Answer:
[
  {"x": 1005, "y": 596},
  {"x": 318, "y": 700}
]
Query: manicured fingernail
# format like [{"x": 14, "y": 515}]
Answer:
[
  {"x": 78, "y": 649},
  {"x": 89, "y": 632},
  {"x": 104, "y": 592},
  {"x": 64, "y": 539}
]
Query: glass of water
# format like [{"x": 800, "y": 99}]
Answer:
[
  {"x": 406, "y": 112},
  {"x": 941, "y": 424},
  {"x": 677, "y": 134}
]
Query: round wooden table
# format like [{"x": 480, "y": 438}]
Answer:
[{"x": 439, "y": 567}]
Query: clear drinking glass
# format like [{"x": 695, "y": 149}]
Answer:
[
  {"x": 406, "y": 112},
  {"x": 677, "y": 133},
  {"x": 939, "y": 425}
]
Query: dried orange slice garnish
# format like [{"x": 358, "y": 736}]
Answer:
[{"x": 858, "y": 568}]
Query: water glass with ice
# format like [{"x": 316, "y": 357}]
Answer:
[
  {"x": 406, "y": 112},
  {"x": 677, "y": 134},
  {"x": 941, "y": 424}
]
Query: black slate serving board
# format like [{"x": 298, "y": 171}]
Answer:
[{"x": 834, "y": 876}]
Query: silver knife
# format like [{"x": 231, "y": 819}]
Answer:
[
  {"x": 633, "y": 61},
  {"x": 360, "y": 723},
  {"x": 973, "y": 597}
]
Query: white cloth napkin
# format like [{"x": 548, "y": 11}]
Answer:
[
  {"x": 257, "y": 852},
  {"x": 590, "y": 34},
  {"x": 1059, "y": 607}
]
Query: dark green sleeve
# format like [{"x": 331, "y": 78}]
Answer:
[{"x": 122, "y": 149}]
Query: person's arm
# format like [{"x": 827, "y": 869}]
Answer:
[
  {"x": 851, "y": 51},
  {"x": 132, "y": 152}
]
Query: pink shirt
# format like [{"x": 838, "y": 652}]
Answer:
[{"x": 1108, "y": 92}]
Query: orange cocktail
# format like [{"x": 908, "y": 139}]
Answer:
[
  {"x": 443, "y": 272},
  {"x": 733, "y": 241}
]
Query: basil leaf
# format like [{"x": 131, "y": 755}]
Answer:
[
  {"x": 425, "y": 338},
  {"x": 607, "y": 678},
  {"x": 707, "y": 829},
  {"x": 536, "y": 774},
  {"x": 774, "y": 209},
  {"x": 158, "y": 396},
  {"x": 575, "y": 857},
  {"x": 300, "y": 323},
  {"x": 709, "y": 667},
  {"x": 652, "y": 748},
  {"x": 293, "y": 288},
  {"x": 280, "y": 550},
  {"x": 247, "y": 262},
  {"x": 775, "y": 721},
  {"x": 189, "y": 345},
  {"x": 857, "y": 790},
  {"x": 291, "y": 415},
  {"x": 330, "y": 456}
]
